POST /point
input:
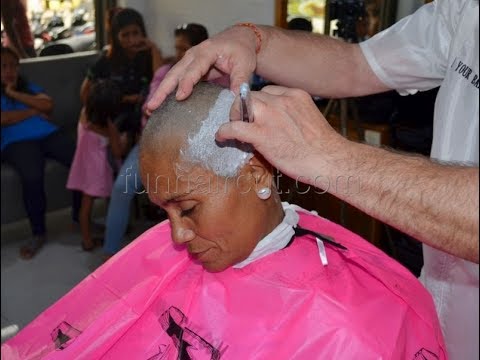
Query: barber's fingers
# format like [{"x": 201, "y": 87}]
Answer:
[
  {"x": 168, "y": 84},
  {"x": 239, "y": 130},
  {"x": 276, "y": 90},
  {"x": 258, "y": 103},
  {"x": 184, "y": 74},
  {"x": 252, "y": 133},
  {"x": 198, "y": 62},
  {"x": 240, "y": 73},
  {"x": 231, "y": 52}
]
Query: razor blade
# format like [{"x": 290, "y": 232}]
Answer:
[{"x": 245, "y": 103}]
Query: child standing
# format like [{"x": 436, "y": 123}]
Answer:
[{"x": 91, "y": 172}]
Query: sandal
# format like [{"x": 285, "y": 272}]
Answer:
[{"x": 30, "y": 250}]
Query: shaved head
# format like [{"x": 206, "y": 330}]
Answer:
[{"x": 184, "y": 131}]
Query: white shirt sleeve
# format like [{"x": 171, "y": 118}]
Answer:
[{"x": 412, "y": 55}]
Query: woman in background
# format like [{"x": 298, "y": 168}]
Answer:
[
  {"x": 28, "y": 138},
  {"x": 130, "y": 61}
]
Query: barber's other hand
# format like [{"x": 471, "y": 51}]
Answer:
[
  {"x": 288, "y": 130},
  {"x": 229, "y": 52}
]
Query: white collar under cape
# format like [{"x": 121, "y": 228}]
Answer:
[{"x": 278, "y": 238}]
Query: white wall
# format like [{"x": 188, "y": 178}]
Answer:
[{"x": 163, "y": 16}]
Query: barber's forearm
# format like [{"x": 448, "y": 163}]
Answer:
[
  {"x": 320, "y": 65},
  {"x": 436, "y": 204}
]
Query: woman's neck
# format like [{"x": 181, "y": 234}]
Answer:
[{"x": 275, "y": 213}]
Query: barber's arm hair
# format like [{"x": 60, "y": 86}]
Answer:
[
  {"x": 433, "y": 202},
  {"x": 318, "y": 64}
]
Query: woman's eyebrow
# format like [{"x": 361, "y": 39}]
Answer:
[{"x": 175, "y": 197}]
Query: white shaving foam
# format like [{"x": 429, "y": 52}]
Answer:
[{"x": 226, "y": 158}]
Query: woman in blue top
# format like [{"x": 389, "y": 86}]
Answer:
[{"x": 27, "y": 139}]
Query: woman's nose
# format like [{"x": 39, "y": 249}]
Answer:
[{"x": 181, "y": 234}]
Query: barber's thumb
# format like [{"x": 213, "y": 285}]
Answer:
[
  {"x": 235, "y": 114},
  {"x": 233, "y": 130}
]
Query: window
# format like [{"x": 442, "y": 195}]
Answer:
[
  {"x": 313, "y": 10},
  {"x": 53, "y": 27},
  {"x": 364, "y": 17}
]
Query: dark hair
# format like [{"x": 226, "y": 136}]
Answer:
[
  {"x": 195, "y": 33},
  {"x": 300, "y": 24},
  {"x": 121, "y": 19},
  {"x": 108, "y": 21},
  {"x": 22, "y": 83},
  {"x": 103, "y": 101}
]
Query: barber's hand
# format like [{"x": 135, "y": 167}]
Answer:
[
  {"x": 288, "y": 130},
  {"x": 229, "y": 52}
]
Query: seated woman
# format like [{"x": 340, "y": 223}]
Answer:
[
  {"x": 27, "y": 140},
  {"x": 247, "y": 277}
]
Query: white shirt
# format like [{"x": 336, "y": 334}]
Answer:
[{"x": 438, "y": 46}]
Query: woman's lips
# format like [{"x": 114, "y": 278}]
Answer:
[{"x": 199, "y": 255}]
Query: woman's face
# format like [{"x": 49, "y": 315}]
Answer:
[
  {"x": 181, "y": 46},
  {"x": 131, "y": 38},
  {"x": 219, "y": 220},
  {"x": 9, "y": 69}
]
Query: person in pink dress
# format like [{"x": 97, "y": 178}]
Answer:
[{"x": 91, "y": 171}]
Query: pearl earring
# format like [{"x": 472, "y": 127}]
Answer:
[{"x": 264, "y": 193}]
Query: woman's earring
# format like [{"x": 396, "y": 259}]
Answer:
[{"x": 264, "y": 193}]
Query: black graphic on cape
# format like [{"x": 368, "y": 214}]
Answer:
[
  {"x": 424, "y": 354},
  {"x": 163, "y": 351},
  {"x": 63, "y": 335},
  {"x": 188, "y": 344}
]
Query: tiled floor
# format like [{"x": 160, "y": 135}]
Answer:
[{"x": 29, "y": 287}]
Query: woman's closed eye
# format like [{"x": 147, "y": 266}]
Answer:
[{"x": 187, "y": 211}]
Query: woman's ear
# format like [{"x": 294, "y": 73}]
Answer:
[{"x": 261, "y": 171}]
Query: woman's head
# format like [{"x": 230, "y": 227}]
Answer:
[
  {"x": 10, "y": 66},
  {"x": 127, "y": 32},
  {"x": 103, "y": 102},
  {"x": 210, "y": 191},
  {"x": 187, "y": 36}
]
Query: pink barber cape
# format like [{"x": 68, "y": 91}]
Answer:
[{"x": 153, "y": 302}]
